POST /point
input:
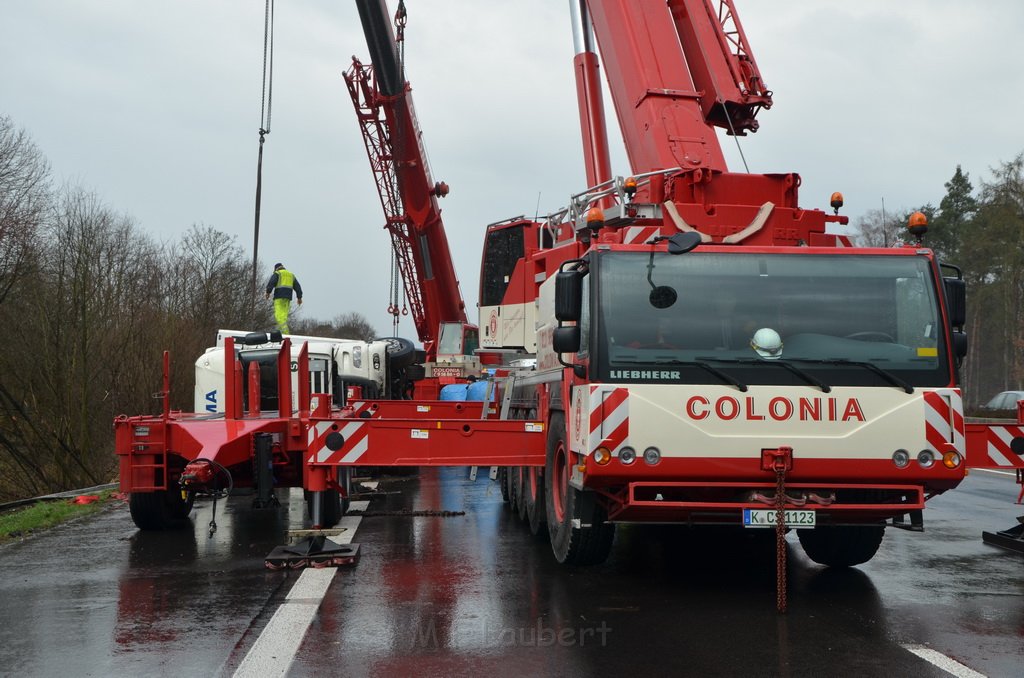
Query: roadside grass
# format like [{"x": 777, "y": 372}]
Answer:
[{"x": 25, "y": 520}]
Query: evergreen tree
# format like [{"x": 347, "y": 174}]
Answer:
[{"x": 952, "y": 222}]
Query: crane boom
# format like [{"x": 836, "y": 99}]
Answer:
[
  {"x": 408, "y": 194},
  {"x": 677, "y": 71}
]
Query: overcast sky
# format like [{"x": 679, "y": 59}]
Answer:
[{"x": 155, "y": 106}]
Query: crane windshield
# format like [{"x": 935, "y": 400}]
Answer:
[{"x": 842, "y": 319}]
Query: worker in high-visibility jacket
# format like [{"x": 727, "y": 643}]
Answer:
[{"x": 282, "y": 284}]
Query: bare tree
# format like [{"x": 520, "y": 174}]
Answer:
[
  {"x": 878, "y": 229},
  {"x": 208, "y": 286},
  {"x": 344, "y": 326},
  {"x": 84, "y": 316},
  {"x": 24, "y": 197}
]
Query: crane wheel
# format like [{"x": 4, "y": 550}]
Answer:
[
  {"x": 536, "y": 509},
  {"x": 577, "y": 523},
  {"x": 841, "y": 545}
]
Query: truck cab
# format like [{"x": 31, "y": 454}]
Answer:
[{"x": 336, "y": 367}]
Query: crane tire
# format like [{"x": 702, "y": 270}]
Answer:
[
  {"x": 536, "y": 509},
  {"x": 841, "y": 545},
  {"x": 577, "y": 523}
]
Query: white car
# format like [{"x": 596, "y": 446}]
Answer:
[{"x": 1007, "y": 400}]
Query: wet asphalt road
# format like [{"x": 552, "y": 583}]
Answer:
[{"x": 477, "y": 595}]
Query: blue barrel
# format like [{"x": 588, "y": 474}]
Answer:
[
  {"x": 455, "y": 392},
  {"x": 478, "y": 390}
]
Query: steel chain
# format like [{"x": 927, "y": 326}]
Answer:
[
  {"x": 780, "y": 539},
  {"x": 404, "y": 512}
]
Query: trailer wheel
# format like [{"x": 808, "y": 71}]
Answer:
[
  {"x": 515, "y": 489},
  {"x": 576, "y": 522},
  {"x": 841, "y": 545},
  {"x": 160, "y": 510},
  {"x": 522, "y": 491},
  {"x": 332, "y": 508},
  {"x": 536, "y": 510},
  {"x": 503, "y": 483}
]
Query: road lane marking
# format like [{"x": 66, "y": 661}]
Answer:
[
  {"x": 278, "y": 643},
  {"x": 943, "y": 662},
  {"x": 996, "y": 471}
]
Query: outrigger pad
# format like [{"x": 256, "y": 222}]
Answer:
[
  {"x": 317, "y": 551},
  {"x": 1012, "y": 539}
]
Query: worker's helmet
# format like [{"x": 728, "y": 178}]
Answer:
[
  {"x": 767, "y": 343},
  {"x": 278, "y": 266}
]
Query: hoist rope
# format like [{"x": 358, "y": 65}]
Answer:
[
  {"x": 268, "y": 73},
  {"x": 266, "y": 99},
  {"x": 400, "y": 20}
]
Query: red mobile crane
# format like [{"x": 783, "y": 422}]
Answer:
[
  {"x": 409, "y": 196},
  {"x": 838, "y": 416}
]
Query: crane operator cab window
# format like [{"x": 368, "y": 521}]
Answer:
[{"x": 457, "y": 339}]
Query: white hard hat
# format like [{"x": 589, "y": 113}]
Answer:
[{"x": 767, "y": 343}]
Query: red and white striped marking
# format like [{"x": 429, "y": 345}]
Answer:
[
  {"x": 998, "y": 446},
  {"x": 609, "y": 418},
  {"x": 638, "y": 235},
  {"x": 944, "y": 420},
  {"x": 359, "y": 406},
  {"x": 355, "y": 433}
]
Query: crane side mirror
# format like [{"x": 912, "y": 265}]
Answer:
[
  {"x": 566, "y": 339},
  {"x": 959, "y": 345},
  {"x": 569, "y": 295},
  {"x": 956, "y": 300}
]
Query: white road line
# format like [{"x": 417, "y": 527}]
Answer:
[
  {"x": 948, "y": 665},
  {"x": 273, "y": 651},
  {"x": 995, "y": 471}
]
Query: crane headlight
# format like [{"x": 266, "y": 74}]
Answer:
[
  {"x": 901, "y": 458},
  {"x": 602, "y": 456}
]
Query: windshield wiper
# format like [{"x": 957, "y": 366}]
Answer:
[
  {"x": 808, "y": 378},
  {"x": 884, "y": 374},
  {"x": 695, "y": 363}
]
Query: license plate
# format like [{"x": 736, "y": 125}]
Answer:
[{"x": 797, "y": 518}]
